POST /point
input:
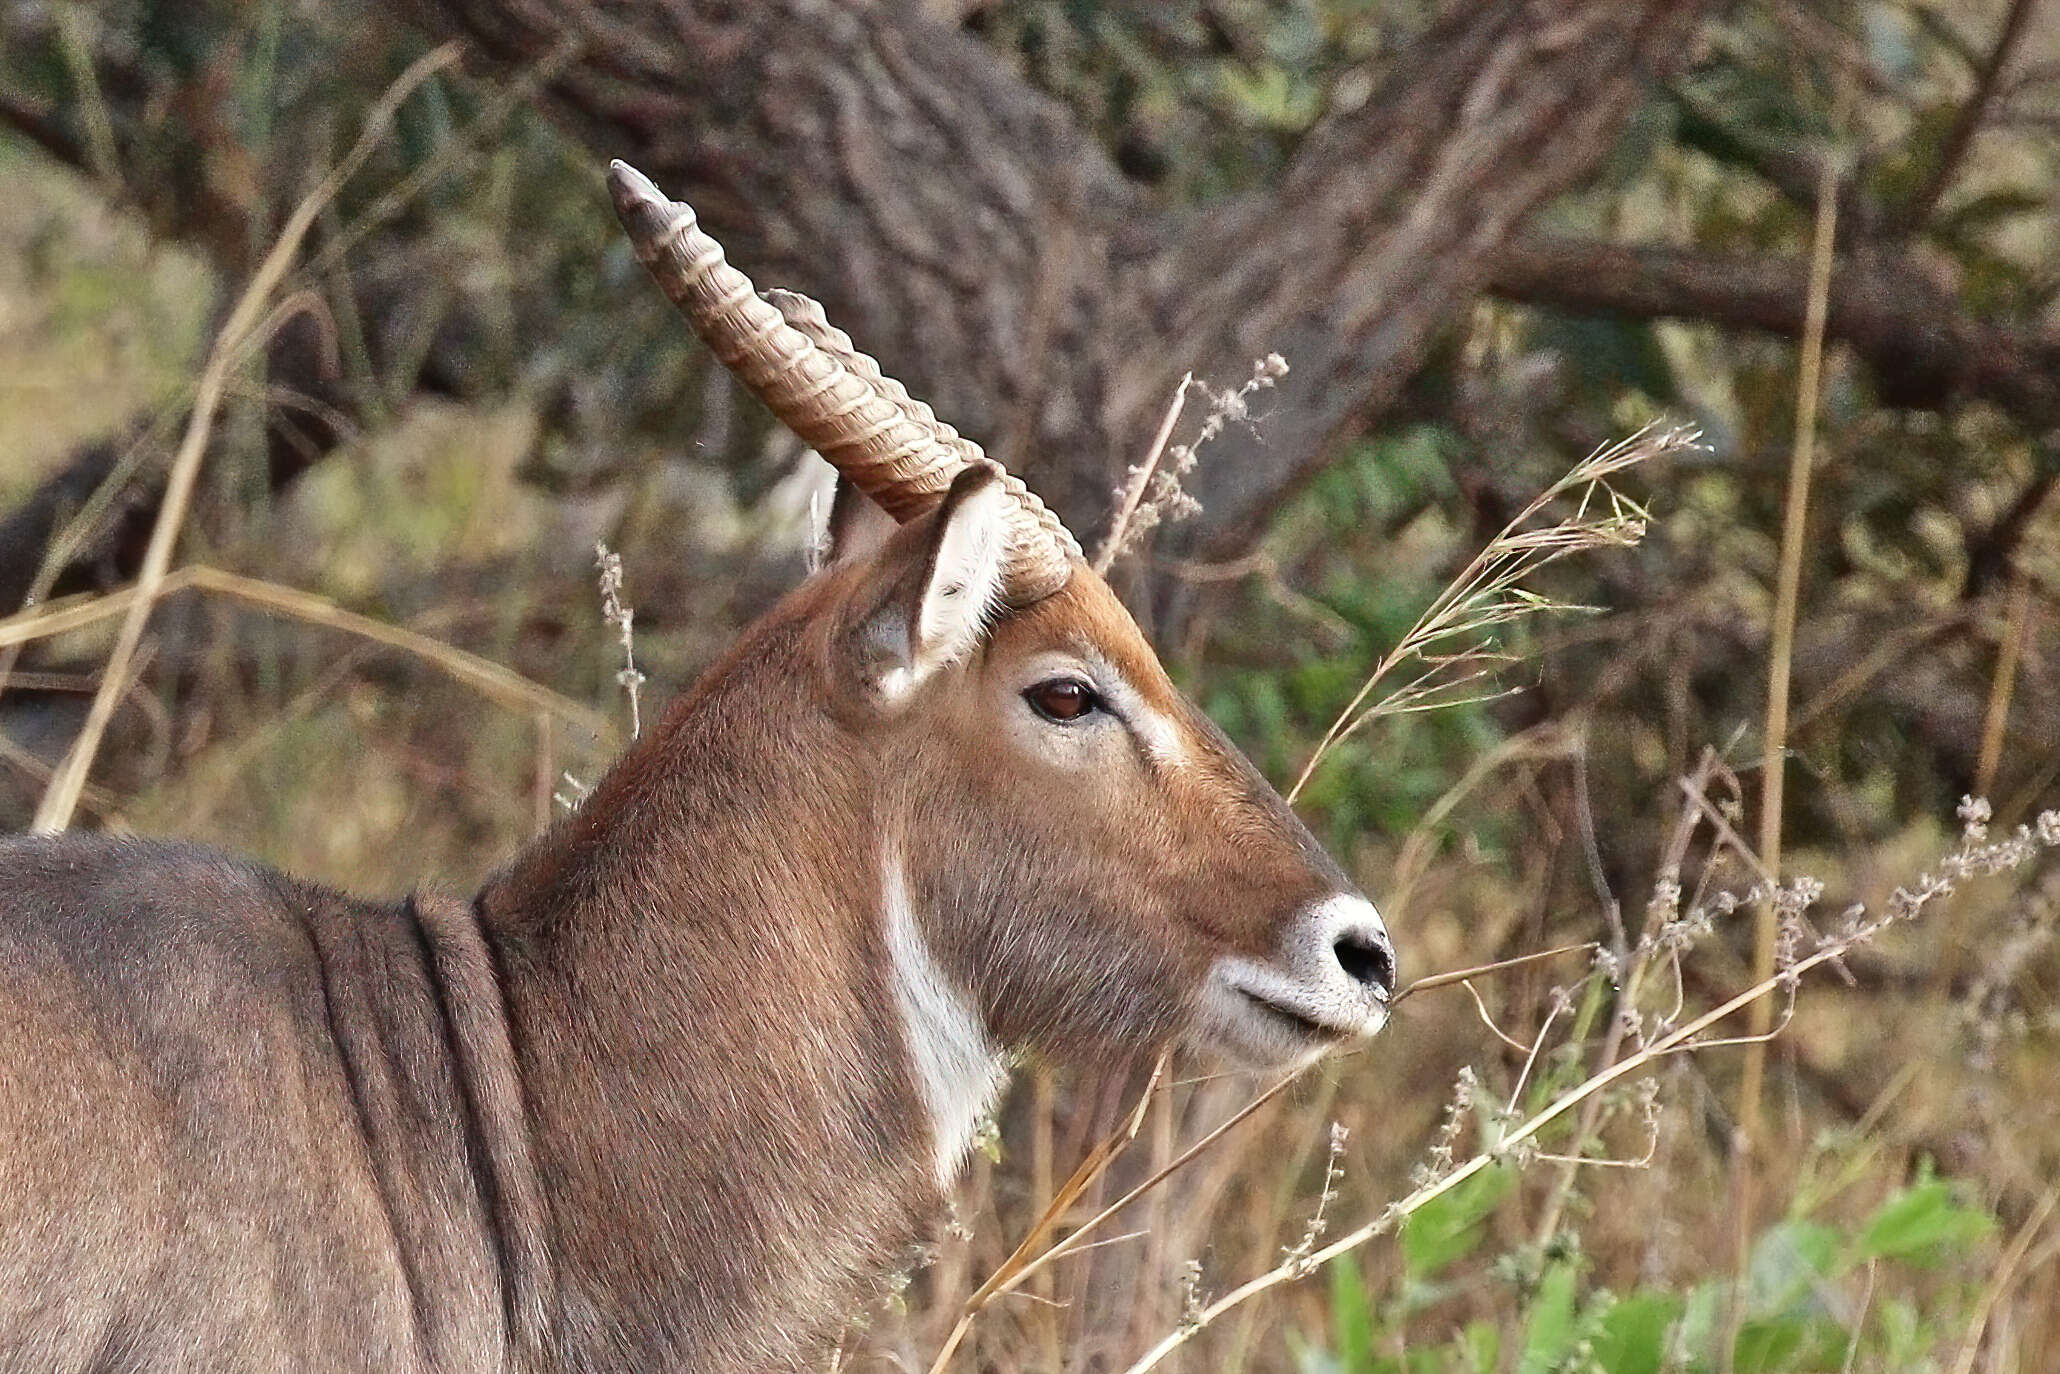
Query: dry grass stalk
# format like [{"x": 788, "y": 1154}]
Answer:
[
  {"x": 93, "y": 511},
  {"x": 505, "y": 100},
  {"x": 1152, "y": 495},
  {"x": 1452, "y": 645},
  {"x": 1141, "y": 477},
  {"x": 1663, "y": 908},
  {"x": 1026, "y": 1262},
  {"x": 1462, "y": 976},
  {"x": 1975, "y": 856},
  {"x": 1996, "y": 718},
  {"x": 1780, "y": 654},
  {"x": 250, "y": 321},
  {"x": 621, "y": 619},
  {"x": 2008, "y": 1269},
  {"x": 67, "y": 542},
  {"x": 1091, "y": 1168},
  {"x": 503, "y": 686}
]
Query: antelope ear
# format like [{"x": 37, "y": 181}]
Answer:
[
  {"x": 858, "y": 526},
  {"x": 936, "y": 617}
]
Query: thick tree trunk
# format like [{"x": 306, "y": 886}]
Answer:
[{"x": 963, "y": 229}]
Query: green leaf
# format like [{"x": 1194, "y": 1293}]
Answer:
[
  {"x": 1788, "y": 1259},
  {"x": 1351, "y": 1316},
  {"x": 1447, "y": 1228},
  {"x": 1923, "y": 1225},
  {"x": 1792, "y": 1343},
  {"x": 1991, "y": 207},
  {"x": 1769, "y": 1344},
  {"x": 1631, "y": 1337},
  {"x": 1310, "y": 1358},
  {"x": 1549, "y": 1333},
  {"x": 1702, "y": 1319},
  {"x": 1479, "y": 1348}
]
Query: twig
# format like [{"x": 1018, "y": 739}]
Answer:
[
  {"x": 1560, "y": 1003},
  {"x": 1020, "y": 1267},
  {"x": 1140, "y": 478},
  {"x": 1462, "y": 975},
  {"x": 1091, "y": 1168},
  {"x": 1071, "y": 1243},
  {"x": 1530, "y": 1127},
  {"x": 1153, "y": 496},
  {"x": 1481, "y": 1010},
  {"x": 1996, "y": 719},
  {"x": 1488, "y": 592},
  {"x": 1636, "y": 964},
  {"x": 1913, "y": 216},
  {"x": 1975, "y": 856},
  {"x": 622, "y": 620},
  {"x": 1859, "y": 1322}
]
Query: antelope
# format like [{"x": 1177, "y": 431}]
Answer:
[{"x": 685, "y": 1075}]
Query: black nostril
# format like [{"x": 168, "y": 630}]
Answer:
[{"x": 1366, "y": 959}]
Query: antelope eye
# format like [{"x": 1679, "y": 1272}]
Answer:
[{"x": 1062, "y": 699}]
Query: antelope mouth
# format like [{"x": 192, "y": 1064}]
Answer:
[
  {"x": 1295, "y": 1021},
  {"x": 1262, "y": 1018}
]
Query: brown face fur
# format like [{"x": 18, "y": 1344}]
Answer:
[{"x": 1080, "y": 878}]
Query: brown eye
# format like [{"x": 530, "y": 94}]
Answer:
[{"x": 1062, "y": 700}]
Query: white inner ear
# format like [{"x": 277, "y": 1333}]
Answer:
[{"x": 965, "y": 581}]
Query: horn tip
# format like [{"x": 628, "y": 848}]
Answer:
[{"x": 632, "y": 190}]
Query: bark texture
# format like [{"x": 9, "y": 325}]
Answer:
[
  {"x": 962, "y": 229},
  {"x": 965, "y": 230},
  {"x": 1906, "y": 326}
]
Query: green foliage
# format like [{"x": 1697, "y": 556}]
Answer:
[
  {"x": 1205, "y": 101},
  {"x": 1630, "y": 1334},
  {"x": 1800, "y": 1306},
  {"x": 1924, "y": 1224},
  {"x": 1549, "y": 1328},
  {"x": 1452, "y": 1226},
  {"x": 1283, "y": 691},
  {"x": 1351, "y": 1314},
  {"x": 558, "y": 323}
]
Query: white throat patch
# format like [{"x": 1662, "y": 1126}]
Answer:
[{"x": 958, "y": 1072}]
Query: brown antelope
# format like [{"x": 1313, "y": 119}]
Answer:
[{"x": 701, "y": 1059}]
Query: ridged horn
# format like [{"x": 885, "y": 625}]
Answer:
[{"x": 836, "y": 398}]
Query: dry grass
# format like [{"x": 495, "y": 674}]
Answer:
[
  {"x": 1451, "y": 652},
  {"x": 251, "y": 323}
]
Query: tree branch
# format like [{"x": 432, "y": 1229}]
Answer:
[
  {"x": 1922, "y": 350},
  {"x": 1385, "y": 227},
  {"x": 993, "y": 258},
  {"x": 1792, "y": 168},
  {"x": 1912, "y": 217}
]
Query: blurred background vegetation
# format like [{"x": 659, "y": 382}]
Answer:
[{"x": 1487, "y": 237}]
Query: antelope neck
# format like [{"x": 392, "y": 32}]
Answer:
[{"x": 958, "y": 1070}]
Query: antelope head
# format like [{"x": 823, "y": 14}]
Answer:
[{"x": 1070, "y": 856}]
